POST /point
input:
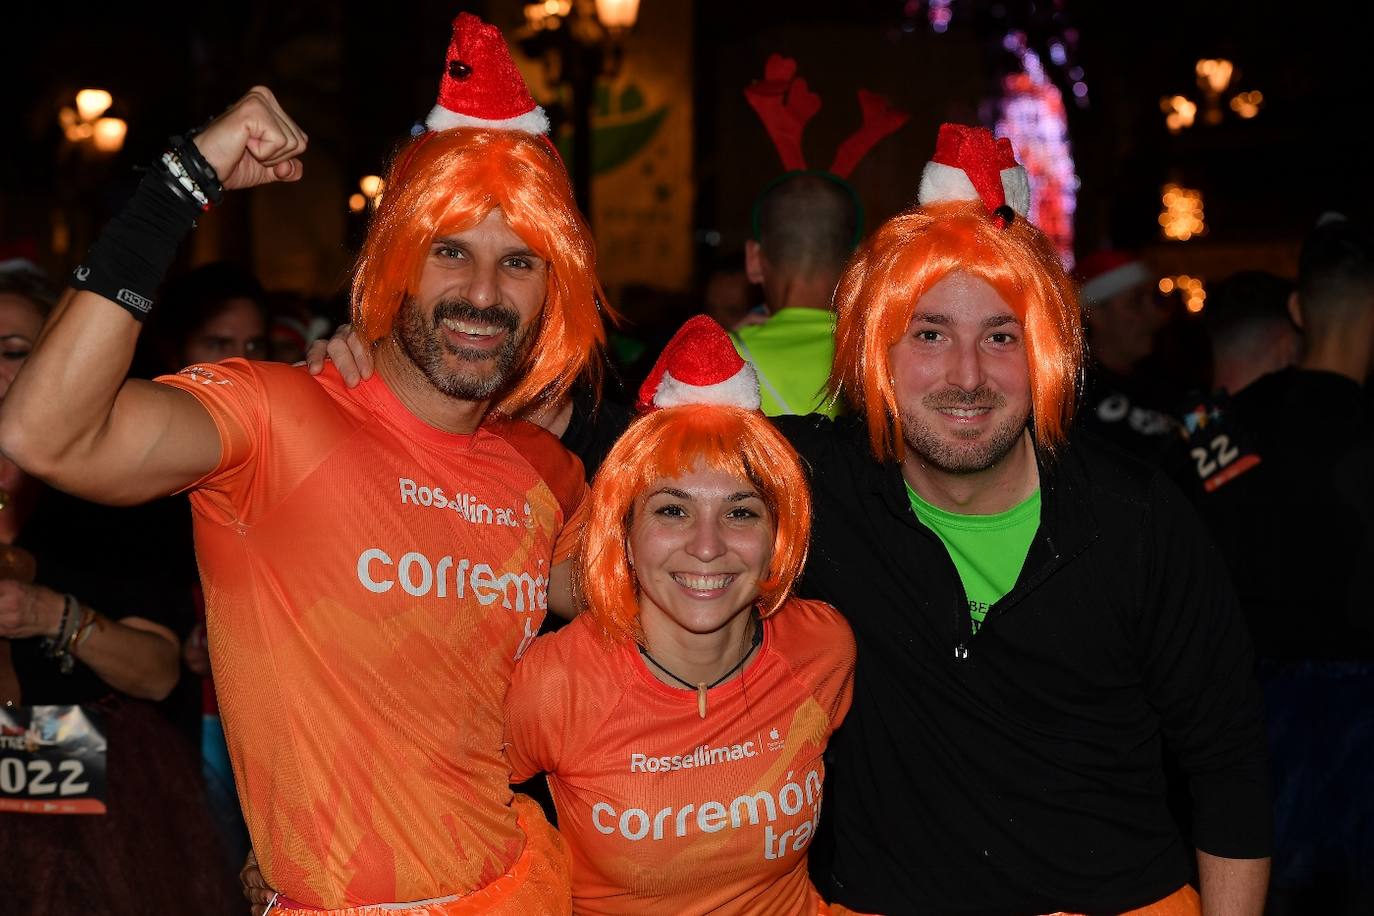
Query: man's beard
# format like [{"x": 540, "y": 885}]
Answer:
[
  {"x": 969, "y": 452},
  {"x": 423, "y": 341}
]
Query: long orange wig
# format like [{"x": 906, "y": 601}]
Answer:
[
  {"x": 668, "y": 443},
  {"x": 449, "y": 181},
  {"x": 910, "y": 253}
]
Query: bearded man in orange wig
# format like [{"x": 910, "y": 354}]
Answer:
[
  {"x": 377, "y": 558},
  {"x": 1038, "y": 619}
]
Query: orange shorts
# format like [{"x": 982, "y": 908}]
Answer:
[{"x": 536, "y": 883}]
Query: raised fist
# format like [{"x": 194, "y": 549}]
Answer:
[{"x": 255, "y": 142}]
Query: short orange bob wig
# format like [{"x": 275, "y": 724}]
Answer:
[
  {"x": 909, "y": 254},
  {"x": 450, "y": 180},
  {"x": 668, "y": 443}
]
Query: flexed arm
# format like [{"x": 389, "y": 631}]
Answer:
[{"x": 71, "y": 418}]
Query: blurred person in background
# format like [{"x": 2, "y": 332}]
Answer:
[
  {"x": 1284, "y": 477},
  {"x": 728, "y": 296},
  {"x": 1125, "y": 400},
  {"x": 807, "y": 225},
  {"x": 87, "y": 619},
  {"x": 1251, "y": 334},
  {"x": 1250, "y": 329},
  {"x": 219, "y": 311}
]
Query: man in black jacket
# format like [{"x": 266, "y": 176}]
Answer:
[{"x": 1039, "y": 619}]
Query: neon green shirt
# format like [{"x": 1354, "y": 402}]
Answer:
[
  {"x": 792, "y": 352},
  {"x": 988, "y": 550}
]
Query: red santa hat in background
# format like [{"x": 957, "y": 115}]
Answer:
[
  {"x": 1105, "y": 274},
  {"x": 700, "y": 366},
  {"x": 481, "y": 86},
  {"x": 971, "y": 164}
]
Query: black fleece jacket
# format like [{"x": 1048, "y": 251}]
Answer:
[{"x": 1021, "y": 770}]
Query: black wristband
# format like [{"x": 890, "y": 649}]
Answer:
[
  {"x": 131, "y": 257},
  {"x": 199, "y": 168}
]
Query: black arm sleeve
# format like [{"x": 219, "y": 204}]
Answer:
[{"x": 1199, "y": 674}]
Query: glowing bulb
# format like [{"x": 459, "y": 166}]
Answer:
[
  {"x": 371, "y": 185},
  {"x": 1182, "y": 215},
  {"x": 1180, "y": 112},
  {"x": 1247, "y": 104},
  {"x": 617, "y": 14},
  {"x": 108, "y": 134},
  {"x": 1214, "y": 75},
  {"x": 1166, "y": 285},
  {"x": 356, "y": 202},
  {"x": 92, "y": 103}
]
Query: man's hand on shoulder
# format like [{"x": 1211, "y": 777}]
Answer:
[
  {"x": 346, "y": 350},
  {"x": 254, "y": 143}
]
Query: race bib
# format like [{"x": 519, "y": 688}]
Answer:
[{"x": 52, "y": 760}]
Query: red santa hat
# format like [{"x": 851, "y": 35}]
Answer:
[
  {"x": 970, "y": 164},
  {"x": 1105, "y": 274},
  {"x": 481, "y": 86},
  {"x": 700, "y": 366}
]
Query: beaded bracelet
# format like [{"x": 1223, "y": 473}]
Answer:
[{"x": 181, "y": 179}]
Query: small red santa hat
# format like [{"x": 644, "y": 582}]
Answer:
[
  {"x": 481, "y": 86},
  {"x": 1104, "y": 274},
  {"x": 970, "y": 164},
  {"x": 700, "y": 366}
]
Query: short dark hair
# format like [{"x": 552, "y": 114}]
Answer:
[
  {"x": 31, "y": 286},
  {"x": 808, "y": 222},
  {"x": 1245, "y": 303},
  {"x": 1336, "y": 269}
]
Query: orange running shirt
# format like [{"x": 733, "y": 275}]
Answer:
[
  {"x": 370, "y": 582},
  {"x": 666, "y": 812}
]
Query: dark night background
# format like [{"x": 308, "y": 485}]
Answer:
[{"x": 356, "y": 75}]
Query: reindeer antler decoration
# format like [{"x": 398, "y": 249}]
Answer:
[{"x": 784, "y": 104}]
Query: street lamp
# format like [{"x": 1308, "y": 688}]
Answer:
[
  {"x": 89, "y": 132},
  {"x": 578, "y": 41},
  {"x": 85, "y": 124},
  {"x": 1214, "y": 77}
]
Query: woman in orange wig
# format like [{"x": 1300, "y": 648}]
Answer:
[
  {"x": 912, "y": 252},
  {"x": 682, "y": 717},
  {"x": 447, "y": 181}
]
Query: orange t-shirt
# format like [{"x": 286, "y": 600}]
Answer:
[
  {"x": 664, "y": 811},
  {"x": 370, "y": 582}
]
